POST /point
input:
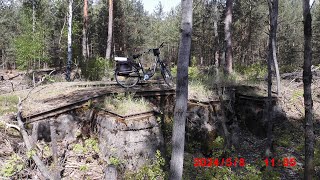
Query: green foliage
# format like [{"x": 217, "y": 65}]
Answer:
[
  {"x": 94, "y": 69},
  {"x": 30, "y": 47},
  {"x": 83, "y": 167},
  {"x": 152, "y": 172},
  {"x": 284, "y": 140},
  {"x": 115, "y": 161},
  {"x": 217, "y": 148},
  {"x": 31, "y": 153},
  {"x": 253, "y": 71},
  {"x": 90, "y": 146},
  {"x": 13, "y": 165},
  {"x": 272, "y": 175},
  {"x": 193, "y": 72},
  {"x": 8, "y": 103}
]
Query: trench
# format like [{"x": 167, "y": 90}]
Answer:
[{"x": 135, "y": 139}]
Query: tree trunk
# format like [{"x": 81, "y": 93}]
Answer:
[
  {"x": 272, "y": 59},
  {"x": 69, "y": 62},
  {"x": 273, "y": 13},
  {"x": 228, "y": 37},
  {"x": 110, "y": 25},
  {"x": 216, "y": 35},
  {"x": 33, "y": 30},
  {"x": 307, "y": 80},
  {"x": 178, "y": 134},
  {"x": 84, "y": 31}
]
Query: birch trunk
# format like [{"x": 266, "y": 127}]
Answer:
[
  {"x": 178, "y": 134},
  {"x": 110, "y": 25},
  {"x": 69, "y": 61}
]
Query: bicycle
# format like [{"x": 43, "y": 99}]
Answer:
[{"x": 127, "y": 72}]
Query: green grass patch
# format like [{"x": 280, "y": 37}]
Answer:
[
  {"x": 8, "y": 104},
  {"x": 125, "y": 105},
  {"x": 199, "y": 91}
]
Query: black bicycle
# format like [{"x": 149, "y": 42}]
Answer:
[{"x": 127, "y": 72}]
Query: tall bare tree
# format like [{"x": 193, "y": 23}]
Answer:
[
  {"x": 307, "y": 80},
  {"x": 178, "y": 135},
  {"x": 228, "y": 37},
  {"x": 273, "y": 15},
  {"x": 85, "y": 51},
  {"x": 69, "y": 62},
  {"x": 272, "y": 59},
  {"x": 110, "y": 30}
]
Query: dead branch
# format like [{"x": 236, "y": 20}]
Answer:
[
  {"x": 16, "y": 76},
  {"x": 223, "y": 119},
  {"x": 43, "y": 169},
  {"x": 54, "y": 150},
  {"x": 12, "y": 126}
]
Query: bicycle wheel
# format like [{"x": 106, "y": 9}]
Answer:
[
  {"x": 167, "y": 76},
  {"x": 127, "y": 79}
]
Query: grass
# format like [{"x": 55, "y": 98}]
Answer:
[
  {"x": 199, "y": 91},
  {"x": 8, "y": 104},
  {"x": 125, "y": 105}
]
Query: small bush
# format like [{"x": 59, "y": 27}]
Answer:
[
  {"x": 12, "y": 166},
  {"x": 95, "y": 68},
  {"x": 90, "y": 145},
  {"x": 253, "y": 71},
  {"x": 193, "y": 72},
  {"x": 152, "y": 172}
]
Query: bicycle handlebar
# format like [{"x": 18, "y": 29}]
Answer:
[{"x": 135, "y": 56}]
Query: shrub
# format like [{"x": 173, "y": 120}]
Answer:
[
  {"x": 95, "y": 68},
  {"x": 12, "y": 166},
  {"x": 253, "y": 71},
  {"x": 152, "y": 172},
  {"x": 193, "y": 72}
]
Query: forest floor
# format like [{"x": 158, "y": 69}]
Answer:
[{"x": 288, "y": 136}]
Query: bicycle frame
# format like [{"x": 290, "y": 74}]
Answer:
[{"x": 154, "y": 67}]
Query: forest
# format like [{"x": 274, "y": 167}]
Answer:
[{"x": 244, "y": 102}]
